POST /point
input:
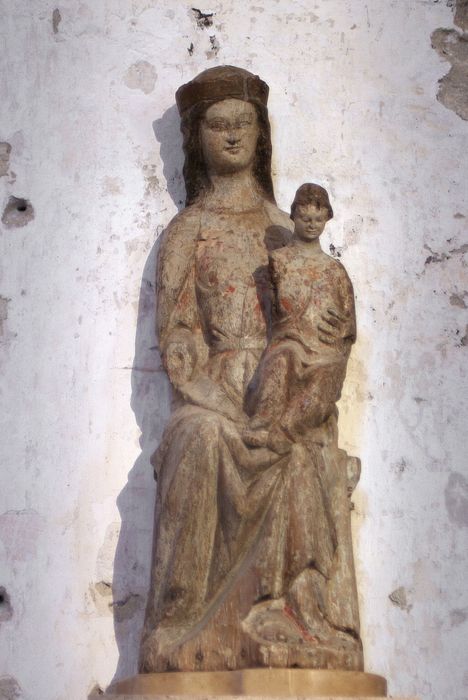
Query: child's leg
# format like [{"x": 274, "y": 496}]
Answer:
[
  {"x": 271, "y": 393},
  {"x": 314, "y": 403}
]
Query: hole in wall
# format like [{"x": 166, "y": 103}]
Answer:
[{"x": 17, "y": 213}]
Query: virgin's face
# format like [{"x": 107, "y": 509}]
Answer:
[{"x": 229, "y": 132}]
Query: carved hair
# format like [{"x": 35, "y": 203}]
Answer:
[
  {"x": 310, "y": 193},
  {"x": 195, "y": 172}
]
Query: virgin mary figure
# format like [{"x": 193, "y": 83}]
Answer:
[{"x": 252, "y": 563}]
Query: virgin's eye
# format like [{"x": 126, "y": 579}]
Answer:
[
  {"x": 217, "y": 126},
  {"x": 243, "y": 125}
]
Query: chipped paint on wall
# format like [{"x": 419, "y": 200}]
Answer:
[
  {"x": 56, "y": 19},
  {"x": 456, "y": 499},
  {"x": 141, "y": 76},
  {"x": 20, "y": 531},
  {"x": 3, "y": 316},
  {"x": 452, "y": 46},
  {"x": 6, "y": 609},
  {"x": 5, "y": 150},
  {"x": 399, "y": 598},
  {"x": 9, "y": 688}
]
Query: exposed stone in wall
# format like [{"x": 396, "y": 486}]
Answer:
[{"x": 452, "y": 45}]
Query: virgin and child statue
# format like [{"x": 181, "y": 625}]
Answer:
[{"x": 252, "y": 562}]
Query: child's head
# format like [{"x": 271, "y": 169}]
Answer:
[{"x": 310, "y": 211}]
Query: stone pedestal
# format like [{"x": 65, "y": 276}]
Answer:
[{"x": 251, "y": 683}]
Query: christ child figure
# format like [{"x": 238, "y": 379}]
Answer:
[{"x": 300, "y": 375}]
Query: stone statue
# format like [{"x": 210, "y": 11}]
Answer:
[{"x": 252, "y": 563}]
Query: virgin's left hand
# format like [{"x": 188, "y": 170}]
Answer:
[{"x": 335, "y": 327}]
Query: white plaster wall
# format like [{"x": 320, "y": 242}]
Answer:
[{"x": 88, "y": 108}]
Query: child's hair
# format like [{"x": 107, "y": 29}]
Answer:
[{"x": 311, "y": 194}]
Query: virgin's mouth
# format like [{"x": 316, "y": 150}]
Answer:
[{"x": 232, "y": 149}]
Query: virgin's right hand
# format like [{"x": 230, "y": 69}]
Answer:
[{"x": 180, "y": 362}]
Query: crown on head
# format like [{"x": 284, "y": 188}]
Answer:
[{"x": 221, "y": 83}]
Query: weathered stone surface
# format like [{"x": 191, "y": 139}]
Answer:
[{"x": 253, "y": 561}]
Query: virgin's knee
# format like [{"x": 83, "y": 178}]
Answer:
[
  {"x": 209, "y": 433},
  {"x": 204, "y": 429}
]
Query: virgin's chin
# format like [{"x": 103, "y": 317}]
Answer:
[{"x": 231, "y": 165}]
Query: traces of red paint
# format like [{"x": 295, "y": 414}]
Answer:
[
  {"x": 304, "y": 633},
  {"x": 184, "y": 300},
  {"x": 286, "y": 304}
]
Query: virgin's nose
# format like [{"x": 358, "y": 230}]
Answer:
[{"x": 232, "y": 138}]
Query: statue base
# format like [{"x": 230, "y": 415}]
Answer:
[{"x": 258, "y": 682}]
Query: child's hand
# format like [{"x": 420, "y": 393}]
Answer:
[
  {"x": 335, "y": 327},
  {"x": 275, "y": 439},
  {"x": 278, "y": 441},
  {"x": 255, "y": 438}
]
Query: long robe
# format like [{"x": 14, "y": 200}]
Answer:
[{"x": 252, "y": 561}]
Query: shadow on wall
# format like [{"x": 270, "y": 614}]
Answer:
[{"x": 150, "y": 402}]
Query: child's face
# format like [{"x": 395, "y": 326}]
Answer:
[{"x": 309, "y": 221}]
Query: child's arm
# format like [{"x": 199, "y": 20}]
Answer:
[{"x": 339, "y": 323}]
